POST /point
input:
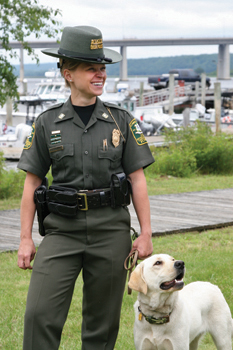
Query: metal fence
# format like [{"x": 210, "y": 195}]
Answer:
[{"x": 162, "y": 96}]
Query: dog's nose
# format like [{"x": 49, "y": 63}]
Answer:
[{"x": 179, "y": 264}]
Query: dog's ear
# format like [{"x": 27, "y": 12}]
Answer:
[{"x": 136, "y": 281}]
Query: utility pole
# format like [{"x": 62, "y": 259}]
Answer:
[
  {"x": 203, "y": 88},
  {"x": 217, "y": 106},
  {"x": 171, "y": 93}
]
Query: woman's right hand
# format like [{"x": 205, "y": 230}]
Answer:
[
  {"x": 27, "y": 250},
  {"x": 26, "y": 253}
]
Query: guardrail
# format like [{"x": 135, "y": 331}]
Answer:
[{"x": 162, "y": 95}]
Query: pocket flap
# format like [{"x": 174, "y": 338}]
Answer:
[
  {"x": 61, "y": 151},
  {"x": 111, "y": 153}
]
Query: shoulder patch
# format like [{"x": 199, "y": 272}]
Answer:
[
  {"x": 30, "y": 138},
  {"x": 137, "y": 132}
]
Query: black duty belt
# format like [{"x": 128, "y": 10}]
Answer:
[{"x": 67, "y": 201}]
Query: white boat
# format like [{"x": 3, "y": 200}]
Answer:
[
  {"x": 199, "y": 112},
  {"x": 53, "y": 88},
  {"x": 154, "y": 116},
  {"x": 11, "y": 144}
]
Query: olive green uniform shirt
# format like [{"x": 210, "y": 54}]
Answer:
[{"x": 85, "y": 157}]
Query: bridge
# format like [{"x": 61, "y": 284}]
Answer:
[{"x": 223, "y": 65}]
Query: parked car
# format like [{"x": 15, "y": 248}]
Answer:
[{"x": 189, "y": 76}]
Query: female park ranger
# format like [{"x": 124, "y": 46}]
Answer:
[{"x": 86, "y": 142}]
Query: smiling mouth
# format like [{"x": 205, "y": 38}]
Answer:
[
  {"x": 97, "y": 84},
  {"x": 177, "y": 283}
]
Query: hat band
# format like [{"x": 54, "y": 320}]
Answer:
[{"x": 70, "y": 55}]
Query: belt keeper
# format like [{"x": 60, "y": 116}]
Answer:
[{"x": 102, "y": 198}]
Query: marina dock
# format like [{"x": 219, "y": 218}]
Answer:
[{"x": 170, "y": 214}]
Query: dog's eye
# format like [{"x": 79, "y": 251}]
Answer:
[{"x": 158, "y": 262}]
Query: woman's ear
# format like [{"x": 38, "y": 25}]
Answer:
[{"x": 67, "y": 75}]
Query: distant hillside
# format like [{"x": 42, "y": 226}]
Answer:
[{"x": 144, "y": 66}]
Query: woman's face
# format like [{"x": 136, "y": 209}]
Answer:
[{"x": 87, "y": 80}]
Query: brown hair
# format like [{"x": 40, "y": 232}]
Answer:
[{"x": 68, "y": 64}]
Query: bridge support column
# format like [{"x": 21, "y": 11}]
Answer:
[
  {"x": 223, "y": 71},
  {"x": 123, "y": 64}
]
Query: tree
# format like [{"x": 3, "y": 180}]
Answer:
[{"x": 19, "y": 19}]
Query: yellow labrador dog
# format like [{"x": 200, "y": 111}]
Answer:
[{"x": 170, "y": 317}]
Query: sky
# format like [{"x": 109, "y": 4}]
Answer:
[{"x": 145, "y": 19}]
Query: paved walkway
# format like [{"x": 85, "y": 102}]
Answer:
[{"x": 184, "y": 212}]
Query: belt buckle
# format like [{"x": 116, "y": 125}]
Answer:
[{"x": 82, "y": 206}]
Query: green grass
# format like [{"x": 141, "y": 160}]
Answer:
[
  {"x": 10, "y": 203},
  {"x": 169, "y": 185},
  {"x": 207, "y": 255}
]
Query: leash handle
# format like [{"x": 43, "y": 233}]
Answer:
[
  {"x": 131, "y": 260},
  {"x": 130, "y": 263}
]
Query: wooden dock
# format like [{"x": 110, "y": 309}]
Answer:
[
  {"x": 191, "y": 211},
  {"x": 174, "y": 213}
]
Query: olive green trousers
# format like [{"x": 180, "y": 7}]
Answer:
[{"x": 96, "y": 242}]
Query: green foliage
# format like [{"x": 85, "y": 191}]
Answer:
[
  {"x": 12, "y": 182},
  {"x": 1, "y": 163},
  {"x": 7, "y": 81},
  {"x": 174, "y": 162},
  {"x": 160, "y": 65},
  {"x": 19, "y": 20},
  {"x": 194, "y": 149}
]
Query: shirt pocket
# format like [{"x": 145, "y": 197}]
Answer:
[
  {"x": 62, "y": 157},
  {"x": 111, "y": 157}
]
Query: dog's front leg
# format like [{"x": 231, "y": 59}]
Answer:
[
  {"x": 146, "y": 344},
  {"x": 168, "y": 344}
]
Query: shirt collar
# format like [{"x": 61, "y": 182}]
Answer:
[{"x": 100, "y": 112}]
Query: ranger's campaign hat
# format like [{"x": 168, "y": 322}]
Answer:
[{"x": 84, "y": 43}]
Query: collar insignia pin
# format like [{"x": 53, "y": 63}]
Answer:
[
  {"x": 61, "y": 116},
  {"x": 105, "y": 115}
]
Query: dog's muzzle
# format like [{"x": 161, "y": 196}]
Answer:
[{"x": 177, "y": 283}]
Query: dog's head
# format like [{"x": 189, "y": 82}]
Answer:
[{"x": 159, "y": 273}]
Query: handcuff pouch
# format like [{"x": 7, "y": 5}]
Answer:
[{"x": 120, "y": 190}]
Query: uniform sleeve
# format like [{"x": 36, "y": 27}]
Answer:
[
  {"x": 35, "y": 156},
  {"x": 136, "y": 153}
]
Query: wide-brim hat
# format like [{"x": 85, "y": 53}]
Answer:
[{"x": 83, "y": 43}]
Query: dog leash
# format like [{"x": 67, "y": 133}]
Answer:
[
  {"x": 130, "y": 263},
  {"x": 131, "y": 260}
]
